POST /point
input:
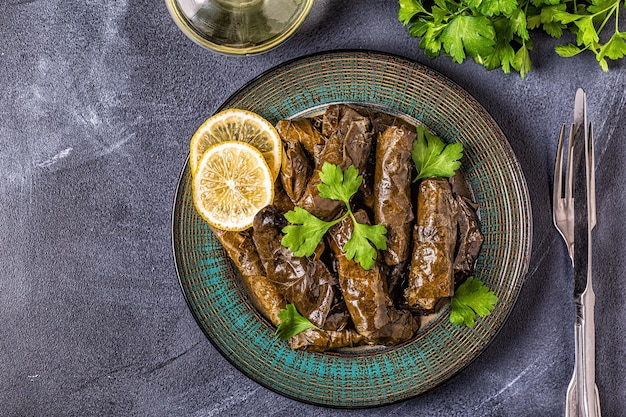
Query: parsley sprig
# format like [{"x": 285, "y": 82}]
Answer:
[
  {"x": 292, "y": 323},
  {"x": 472, "y": 298},
  {"x": 495, "y": 33},
  {"x": 586, "y": 23},
  {"x": 306, "y": 231},
  {"x": 432, "y": 157}
]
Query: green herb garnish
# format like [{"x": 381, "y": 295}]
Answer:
[
  {"x": 432, "y": 157},
  {"x": 306, "y": 231},
  {"x": 495, "y": 33},
  {"x": 292, "y": 323},
  {"x": 470, "y": 299}
]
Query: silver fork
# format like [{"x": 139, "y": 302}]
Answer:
[
  {"x": 582, "y": 399},
  {"x": 563, "y": 202}
]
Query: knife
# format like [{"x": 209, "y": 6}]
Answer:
[{"x": 583, "y": 398}]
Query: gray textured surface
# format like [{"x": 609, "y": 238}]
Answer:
[{"x": 97, "y": 104}]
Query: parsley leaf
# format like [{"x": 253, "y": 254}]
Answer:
[
  {"x": 471, "y": 34},
  {"x": 521, "y": 62},
  {"x": 306, "y": 231},
  {"x": 503, "y": 53},
  {"x": 568, "y": 50},
  {"x": 337, "y": 184},
  {"x": 517, "y": 20},
  {"x": 615, "y": 48},
  {"x": 358, "y": 247},
  {"x": 432, "y": 157},
  {"x": 292, "y": 323},
  {"x": 408, "y": 8},
  {"x": 470, "y": 299},
  {"x": 493, "y": 7}
]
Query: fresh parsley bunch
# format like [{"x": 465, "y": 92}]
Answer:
[{"x": 495, "y": 33}]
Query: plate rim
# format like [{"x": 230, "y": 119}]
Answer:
[{"x": 523, "y": 189}]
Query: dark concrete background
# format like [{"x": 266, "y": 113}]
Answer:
[{"x": 98, "y": 101}]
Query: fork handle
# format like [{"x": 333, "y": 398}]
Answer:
[
  {"x": 571, "y": 402},
  {"x": 587, "y": 401}
]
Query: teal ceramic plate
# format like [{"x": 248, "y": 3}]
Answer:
[{"x": 441, "y": 349}]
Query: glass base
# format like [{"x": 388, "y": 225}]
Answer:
[{"x": 239, "y": 27}]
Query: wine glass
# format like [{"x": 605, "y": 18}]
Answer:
[{"x": 239, "y": 27}]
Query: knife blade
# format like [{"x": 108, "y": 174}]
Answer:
[
  {"x": 580, "y": 172},
  {"x": 582, "y": 159}
]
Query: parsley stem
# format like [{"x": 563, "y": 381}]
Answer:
[
  {"x": 609, "y": 14},
  {"x": 609, "y": 11},
  {"x": 339, "y": 219}
]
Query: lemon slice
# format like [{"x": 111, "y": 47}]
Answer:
[
  {"x": 237, "y": 125},
  {"x": 232, "y": 183}
]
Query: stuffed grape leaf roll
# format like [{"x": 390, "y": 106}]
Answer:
[
  {"x": 295, "y": 168},
  {"x": 431, "y": 274},
  {"x": 315, "y": 340},
  {"x": 263, "y": 293},
  {"x": 349, "y": 141},
  {"x": 366, "y": 294},
  {"x": 304, "y": 132},
  {"x": 392, "y": 190},
  {"x": 306, "y": 283},
  {"x": 470, "y": 238}
]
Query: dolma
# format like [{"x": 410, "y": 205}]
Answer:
[
  {"x": 348, "y": 142},
  {"x": 356, "y": 131},
  {"x": 381, "y": 120},
  {"x": 431, "y": 274},
  {"x": 266, "y": 298},
  {"x": 366, "y": 294},
  {"x": 263, "y": 293},
  {"x": 331, "y": 119},
  {"x": 281, "y": 200},
  {"x": 392, "y": 190},
  {"x": 315, "y": 340},
  {"x": 295, "y": 169},
  {"x": 311, "y": 201},
  {"x": 306, "y": 283},
  {"x": 302, "y": 146},
  {"x": 304, "y": 132},
  {"x": 397, "y": 280},
  {"x": 470, "y": 238},
  {"x": 459, "y": 185}
]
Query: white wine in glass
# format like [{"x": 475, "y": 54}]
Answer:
[{"x": 240, "y": 27}]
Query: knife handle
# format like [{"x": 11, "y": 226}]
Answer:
[
  {"x": 587, "y": 399},
  {"x": 571, "y": 401}
]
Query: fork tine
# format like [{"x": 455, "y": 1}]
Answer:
[
  {"x": 557, "y": 192},
  {"x": 562, "y": 204}
]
